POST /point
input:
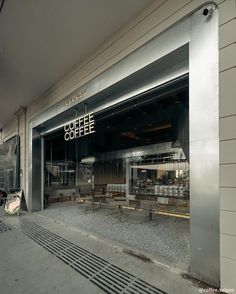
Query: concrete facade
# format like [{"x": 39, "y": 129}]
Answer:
[{"x": 159, "y": 16}]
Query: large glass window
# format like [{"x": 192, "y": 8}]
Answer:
[{"x": 139, "y": 151}]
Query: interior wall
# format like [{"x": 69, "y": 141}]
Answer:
[{"x": 156, "y": 18}]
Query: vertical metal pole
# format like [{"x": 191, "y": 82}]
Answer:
[
  {"x": 77, "y": 162},
  {"x": 65, "y": 176},
  {"x": 25, "y": 151},
  {"x": 127, "y": 177},
  {"x": 42, "y": 173}
]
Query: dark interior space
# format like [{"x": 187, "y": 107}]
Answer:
[
  {"x": 139, "y": 149},
  {"x": 147, "y": 120}
]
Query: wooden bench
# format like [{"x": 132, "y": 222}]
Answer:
[{"x": 99, "y": 198}]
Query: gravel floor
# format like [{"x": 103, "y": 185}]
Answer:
[{"x": 164, "y": 236}]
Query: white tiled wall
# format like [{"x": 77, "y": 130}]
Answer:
[
  {"x": 228, "y": 127},
  {"x": 228, "y": 273},
  {"x": 228, "y": 218},
  {"x": 228, "y": 91},
  {"x": 228, "y": 245},
  {"x": 227, "y": 152},
  {"x": 227, "y": 55},
  {"x": 228, "y": 144},
  {"x": 228, "y": 199},
  {"x": 228, "y": 175},
  {"x": 226, "y": 11},
  {"x": 227, "y": 33},
  {"x": 160, "y": 15}
]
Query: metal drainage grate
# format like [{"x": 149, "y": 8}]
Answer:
[
  {"x": 103, "y": 274},
  {"x": 4, "y": 227}
]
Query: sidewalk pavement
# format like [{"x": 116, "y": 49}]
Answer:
[{"x": 26, "y": 267}]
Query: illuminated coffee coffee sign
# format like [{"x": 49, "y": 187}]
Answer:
[{"x": 79, "y": 127}]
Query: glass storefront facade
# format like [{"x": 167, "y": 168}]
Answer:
[
  {"x": 139, "y": 151},
  {"x": 134, "y": 137}
]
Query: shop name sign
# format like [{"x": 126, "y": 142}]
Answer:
[
  {"x": 79, "y": 127},
  {"x": 74, "y": 98}
]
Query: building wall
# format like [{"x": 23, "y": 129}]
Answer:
[
  {"x": 227, "y": 44},
  {"x": 160, "y": 15}
]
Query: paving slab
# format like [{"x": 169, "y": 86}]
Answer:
[{"x": 26, "y": 268}]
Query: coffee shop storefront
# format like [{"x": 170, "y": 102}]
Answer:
[
  {"x": 137, "y": 150},
  {"x": 136, "y": 131}
]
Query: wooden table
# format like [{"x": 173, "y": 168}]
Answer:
[
  {"x": 149, "y": 205},
  {"x": 120, "y": 198},
  {"x": 100, "y": 197},
  {"x": 119, "y": 205}
]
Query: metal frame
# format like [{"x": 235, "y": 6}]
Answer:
[
  {"x": 42, "y": 171},
  {"x": 201, "y": 33},
  {"x": 204, "y": 146},
  {"x": 160, "y": 74}
]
